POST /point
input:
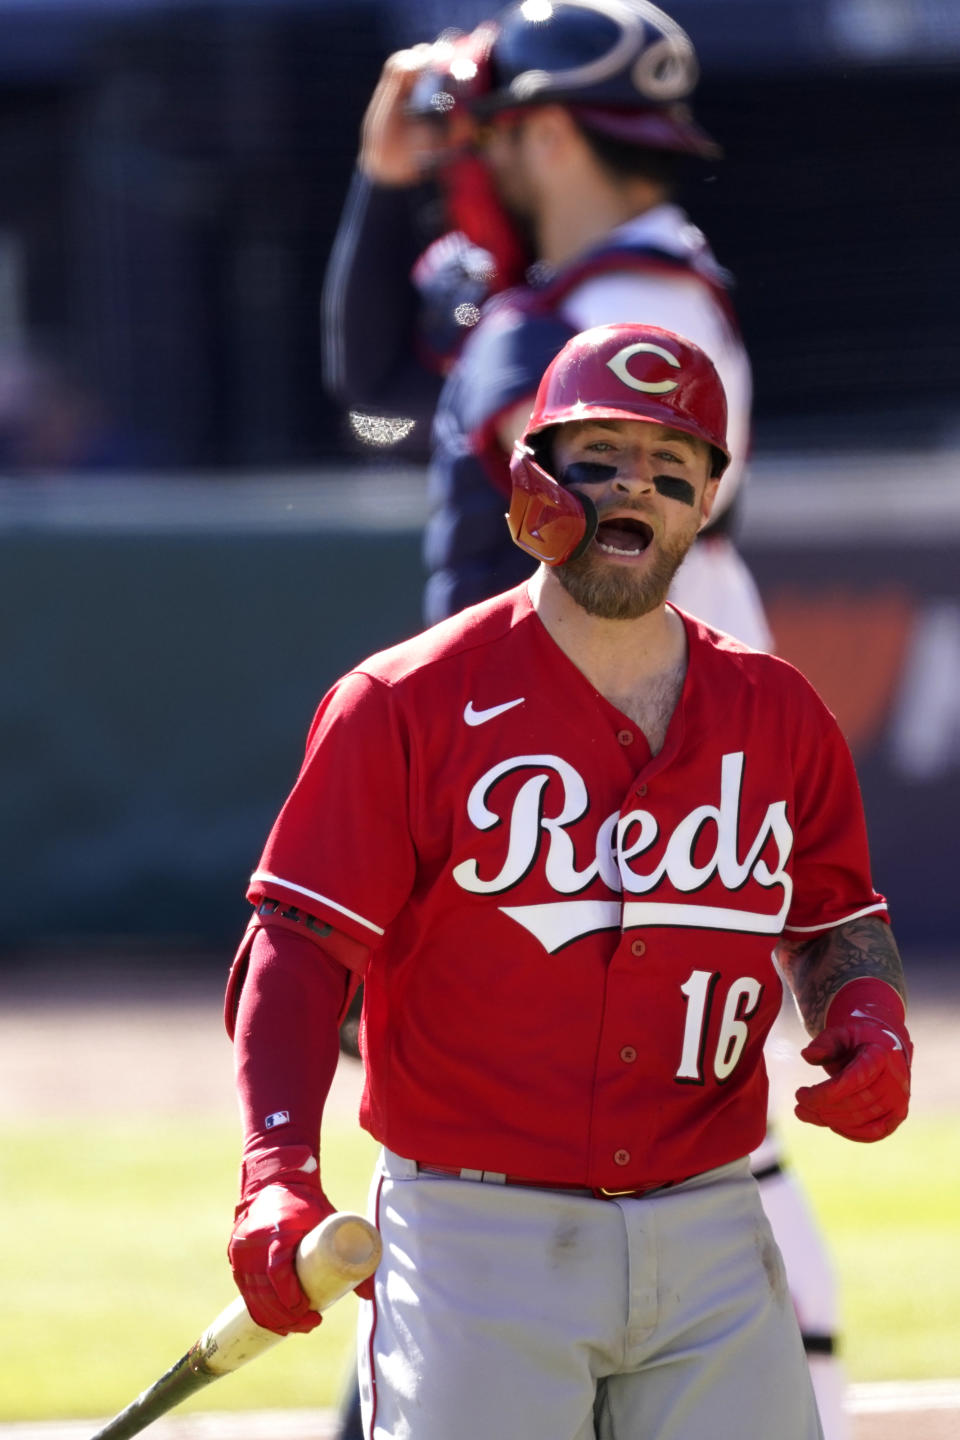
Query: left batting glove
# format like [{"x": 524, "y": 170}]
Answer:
[{"x": 866, "y": 1050}]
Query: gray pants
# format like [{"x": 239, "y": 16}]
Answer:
[{"x": 505, "y": 1313}]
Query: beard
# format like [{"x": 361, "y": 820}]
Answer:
[{"x": 617, "y": 592}]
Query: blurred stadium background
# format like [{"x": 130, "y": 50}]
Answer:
[{"x": 193, "y": 543}]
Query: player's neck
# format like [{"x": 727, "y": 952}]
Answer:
[
  {"x": 575, "y": 218},
  {"x": 620, "y": 658}
]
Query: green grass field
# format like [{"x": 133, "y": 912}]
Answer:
[{"x": 113, "y": 1259}]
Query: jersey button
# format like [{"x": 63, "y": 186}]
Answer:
[
  {"x": 642, "y": 789},
  {"x": 628, "y": 1054},
  {"x": 621, "y": 1157},
  {"x": 625, "y": 737},
  {"x": 638, "y": 948}
]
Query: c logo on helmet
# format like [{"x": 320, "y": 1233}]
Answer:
[
  {"x": 649, "y": 387},
  {"x": 667, "y": 70}
]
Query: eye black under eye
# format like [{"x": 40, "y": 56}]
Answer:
[
  {"x": 675, "y": 488},
  {"x": 587, "y": 472}
]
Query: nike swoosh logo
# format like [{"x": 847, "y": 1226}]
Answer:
[{"x": 480, "y": 717}]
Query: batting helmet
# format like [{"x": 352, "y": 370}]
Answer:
[
  {"x": 612, "y": 372},
  {"x": 622, "y": 67}
]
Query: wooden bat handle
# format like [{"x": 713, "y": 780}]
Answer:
[
  {"x": 335, "y": 1257},
  {"x": 343, "y": 1250}
]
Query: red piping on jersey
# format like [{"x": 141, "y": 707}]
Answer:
[{"x": 373, "y": 1325}]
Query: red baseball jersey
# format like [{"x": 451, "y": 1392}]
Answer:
[{"x": 570, "y": 973}]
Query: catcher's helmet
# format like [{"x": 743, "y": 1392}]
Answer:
[
  {"x": 612, "y": 372},
  {"x": 623, "y": 68}
]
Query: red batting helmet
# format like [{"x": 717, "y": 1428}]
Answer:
[{"x": 612, "y": 372}]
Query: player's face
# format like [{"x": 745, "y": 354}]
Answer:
[
  {"x": 652, "y": 489},
  {"x": 504, "y": 149}
]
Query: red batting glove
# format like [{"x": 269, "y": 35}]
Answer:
[
  {"x": 281, "y": 1201},
  {"x": 866, "y": 1050}
]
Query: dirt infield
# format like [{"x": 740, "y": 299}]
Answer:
[
  {"x": 150, "y": 1039},
  {"x": 158, "y": 1026}
]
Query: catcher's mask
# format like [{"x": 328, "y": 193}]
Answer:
[
  {"x": 622, "y": 68},
  {"x": 612, "y": 372}
]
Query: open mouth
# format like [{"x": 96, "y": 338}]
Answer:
[{"x": 624, "y": 536}]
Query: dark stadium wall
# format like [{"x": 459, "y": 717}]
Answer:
[
  {"x": 158, "y": 685},
  {"x": 156, "y": 698}
]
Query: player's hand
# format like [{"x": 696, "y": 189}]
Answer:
[
  {"x": 281, "y": 1201},
  {"x": 396, "y": 148},
  {"x": 866, "y": 1050},
  {"x": 263, "y": 1248}
]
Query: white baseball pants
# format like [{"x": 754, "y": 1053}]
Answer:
[{"x": 506, "y": 1313}]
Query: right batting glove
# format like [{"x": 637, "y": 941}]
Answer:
[
  {"x": 866, "y": 1050},
  {"x": 281, "y": 1201}
]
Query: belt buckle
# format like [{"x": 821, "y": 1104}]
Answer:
[{"x": 606, "y": 1194}]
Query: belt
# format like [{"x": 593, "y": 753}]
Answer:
[{"x": 495, "y": 1177}]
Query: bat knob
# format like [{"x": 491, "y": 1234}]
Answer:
[
  {"x": 355, "y": 1241},
  {"x": 341, "y": 1252}
]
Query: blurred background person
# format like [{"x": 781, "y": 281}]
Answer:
[
  {"x": 50, "y": 420},
  {"x": 558, "y": 137}
]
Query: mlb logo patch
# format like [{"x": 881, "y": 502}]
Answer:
[{"x": 279, "y": 1117}]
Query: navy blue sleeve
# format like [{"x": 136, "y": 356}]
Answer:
[
  {"x": 504, "y": 359},
  {"x": 370, "y": 308}
]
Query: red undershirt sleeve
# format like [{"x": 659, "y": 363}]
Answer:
[{"x": 286, "y": 1041}]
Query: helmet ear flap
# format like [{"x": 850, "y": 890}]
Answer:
[{"x": 550, "y": 523}]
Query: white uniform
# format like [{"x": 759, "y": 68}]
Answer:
[{"x": 600, "y": 1341}]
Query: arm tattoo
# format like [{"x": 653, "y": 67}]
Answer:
[{"x": 816, "y": 968}]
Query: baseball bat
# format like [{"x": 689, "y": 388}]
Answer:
[{"x": 341, "y": 1252}]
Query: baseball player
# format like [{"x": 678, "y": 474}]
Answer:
[
  {"x": 558, "y": 135},
  {"x": 559, "y": 836}
]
